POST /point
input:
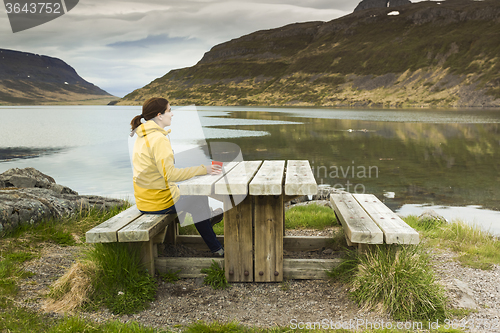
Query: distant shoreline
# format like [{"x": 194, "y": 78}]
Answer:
[{"x": 105, "y": 100}]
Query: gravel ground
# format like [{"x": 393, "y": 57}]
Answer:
[{"x": 270, "y": 304}]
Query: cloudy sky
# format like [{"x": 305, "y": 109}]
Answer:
[{"x": 123, "y": 45}]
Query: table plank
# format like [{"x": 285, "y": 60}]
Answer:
[
  {"x": 204, "y": 185},
  {"x": 396, "y": 231},
  {"x": 358, "y": 225},
  {"x": 106, "y": 232},
  {"x": 236, "y": 181},
  {"x": 269, "y": 179},
  {"x": 145, "y": 227},
  {"x": 299, "y": 178}
]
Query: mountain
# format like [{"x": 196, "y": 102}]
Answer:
[
  {"x": 420, "y": 54},
  {"x": 27, "y": 78}
]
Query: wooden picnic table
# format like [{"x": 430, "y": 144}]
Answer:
[{"x": 253, "y": 194}]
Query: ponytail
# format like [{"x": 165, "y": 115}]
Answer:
[
  {"x": 136, "y": 122},
  {"x": 150, "y": 109}
]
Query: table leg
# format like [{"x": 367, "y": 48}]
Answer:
[
  {"x": 268, "y": 220},
  {"x": 238, "y": 240}
]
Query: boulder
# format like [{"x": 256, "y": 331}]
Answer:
[
  {"x": 429, "y": 215},
  {"x": 27, "y": 196},
  {"x": 29, "y": 178}
]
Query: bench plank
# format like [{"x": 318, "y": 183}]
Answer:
[
  {"x": 106, "y": 232},
  {"x": 292, "y": 268},
  {"x": 357, "y": 224},
  {"x": 145, "y": 227},
  {"x": 236, "y": 181},
  {"x": 299, "y": 178},
  {"x": 203, "y": 185},
  {"x": 396, "y": 231},
  {"x": 269, "y": 179},
  {"x": 308, "y": 269}
]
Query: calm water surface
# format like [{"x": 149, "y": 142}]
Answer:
[{"x": 411, "y": 159}]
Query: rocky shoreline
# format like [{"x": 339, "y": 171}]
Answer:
[{"x": 28, "y": 196}]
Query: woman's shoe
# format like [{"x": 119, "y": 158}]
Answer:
[{"x": 217, "y": 216}]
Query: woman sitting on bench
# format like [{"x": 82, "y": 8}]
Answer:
[{"x": 155, "y": 175}]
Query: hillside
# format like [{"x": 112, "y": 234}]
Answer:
[
  {"x": 27, "y": 78},
  {"x": 430, "y": 54}
]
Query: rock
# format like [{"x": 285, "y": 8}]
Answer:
[
  {"x": 28, "y": 196},
  {"x": 328, "y": 251},
  {"x": 431, "y": 215},
  {"x": 199, "y": 281},
  {"x": 295, "y": 201},
  {"x": 367, "y": 4},
  {"x": 465, "y": 294},
  {"x": 29, "y": 178}
]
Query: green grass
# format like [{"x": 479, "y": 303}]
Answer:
[
  {"x": 16, "y": 319},
  {"x": 396, "y": 279},
  {"x": 120, "y": 283},
  {"x": 170, "y": 276},
  {"x": 475, "y": 248},
  {"x": 310, "y": 217},
  {"x": 216, "y": 277}
]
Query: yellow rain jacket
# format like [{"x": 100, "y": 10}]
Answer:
[{"x": 154, "y": 171}]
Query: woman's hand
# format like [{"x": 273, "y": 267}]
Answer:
[{"x": 214, "y": 169}]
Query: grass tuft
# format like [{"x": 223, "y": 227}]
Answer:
[
  {"x": 121, "y": 284},
  {"x": 395, "y": 279},
  {"x": 110, "y": 276},
  {"x": 73, "y": 289},
  {"x": 170, "y": 276},
  {"x": 216, "y": 276}
]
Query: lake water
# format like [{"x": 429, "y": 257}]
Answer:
[{"x": 447, "y": 160}]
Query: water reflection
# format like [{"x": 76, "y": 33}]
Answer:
[{"x": 442, "y": 163}]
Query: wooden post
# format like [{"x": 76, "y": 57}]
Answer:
[
  {"x": 238, "y": 240},
  {"x": 172, "y": 232},
  {"x": 147, "y": 256},
  {"x": 268, "y": 238}
]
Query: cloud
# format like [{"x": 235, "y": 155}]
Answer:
[
  {"x": 152, "y": 41},
  {"x": 123, "y": 45}
]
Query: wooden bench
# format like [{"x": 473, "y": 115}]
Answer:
[
  {"x": 366, "y": 220},
  {"x": 132, "y": 226}
]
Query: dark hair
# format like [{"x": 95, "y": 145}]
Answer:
[{"x": 150, "y": 109}]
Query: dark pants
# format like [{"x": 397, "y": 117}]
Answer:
[{"x": 199, "y": 209}]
